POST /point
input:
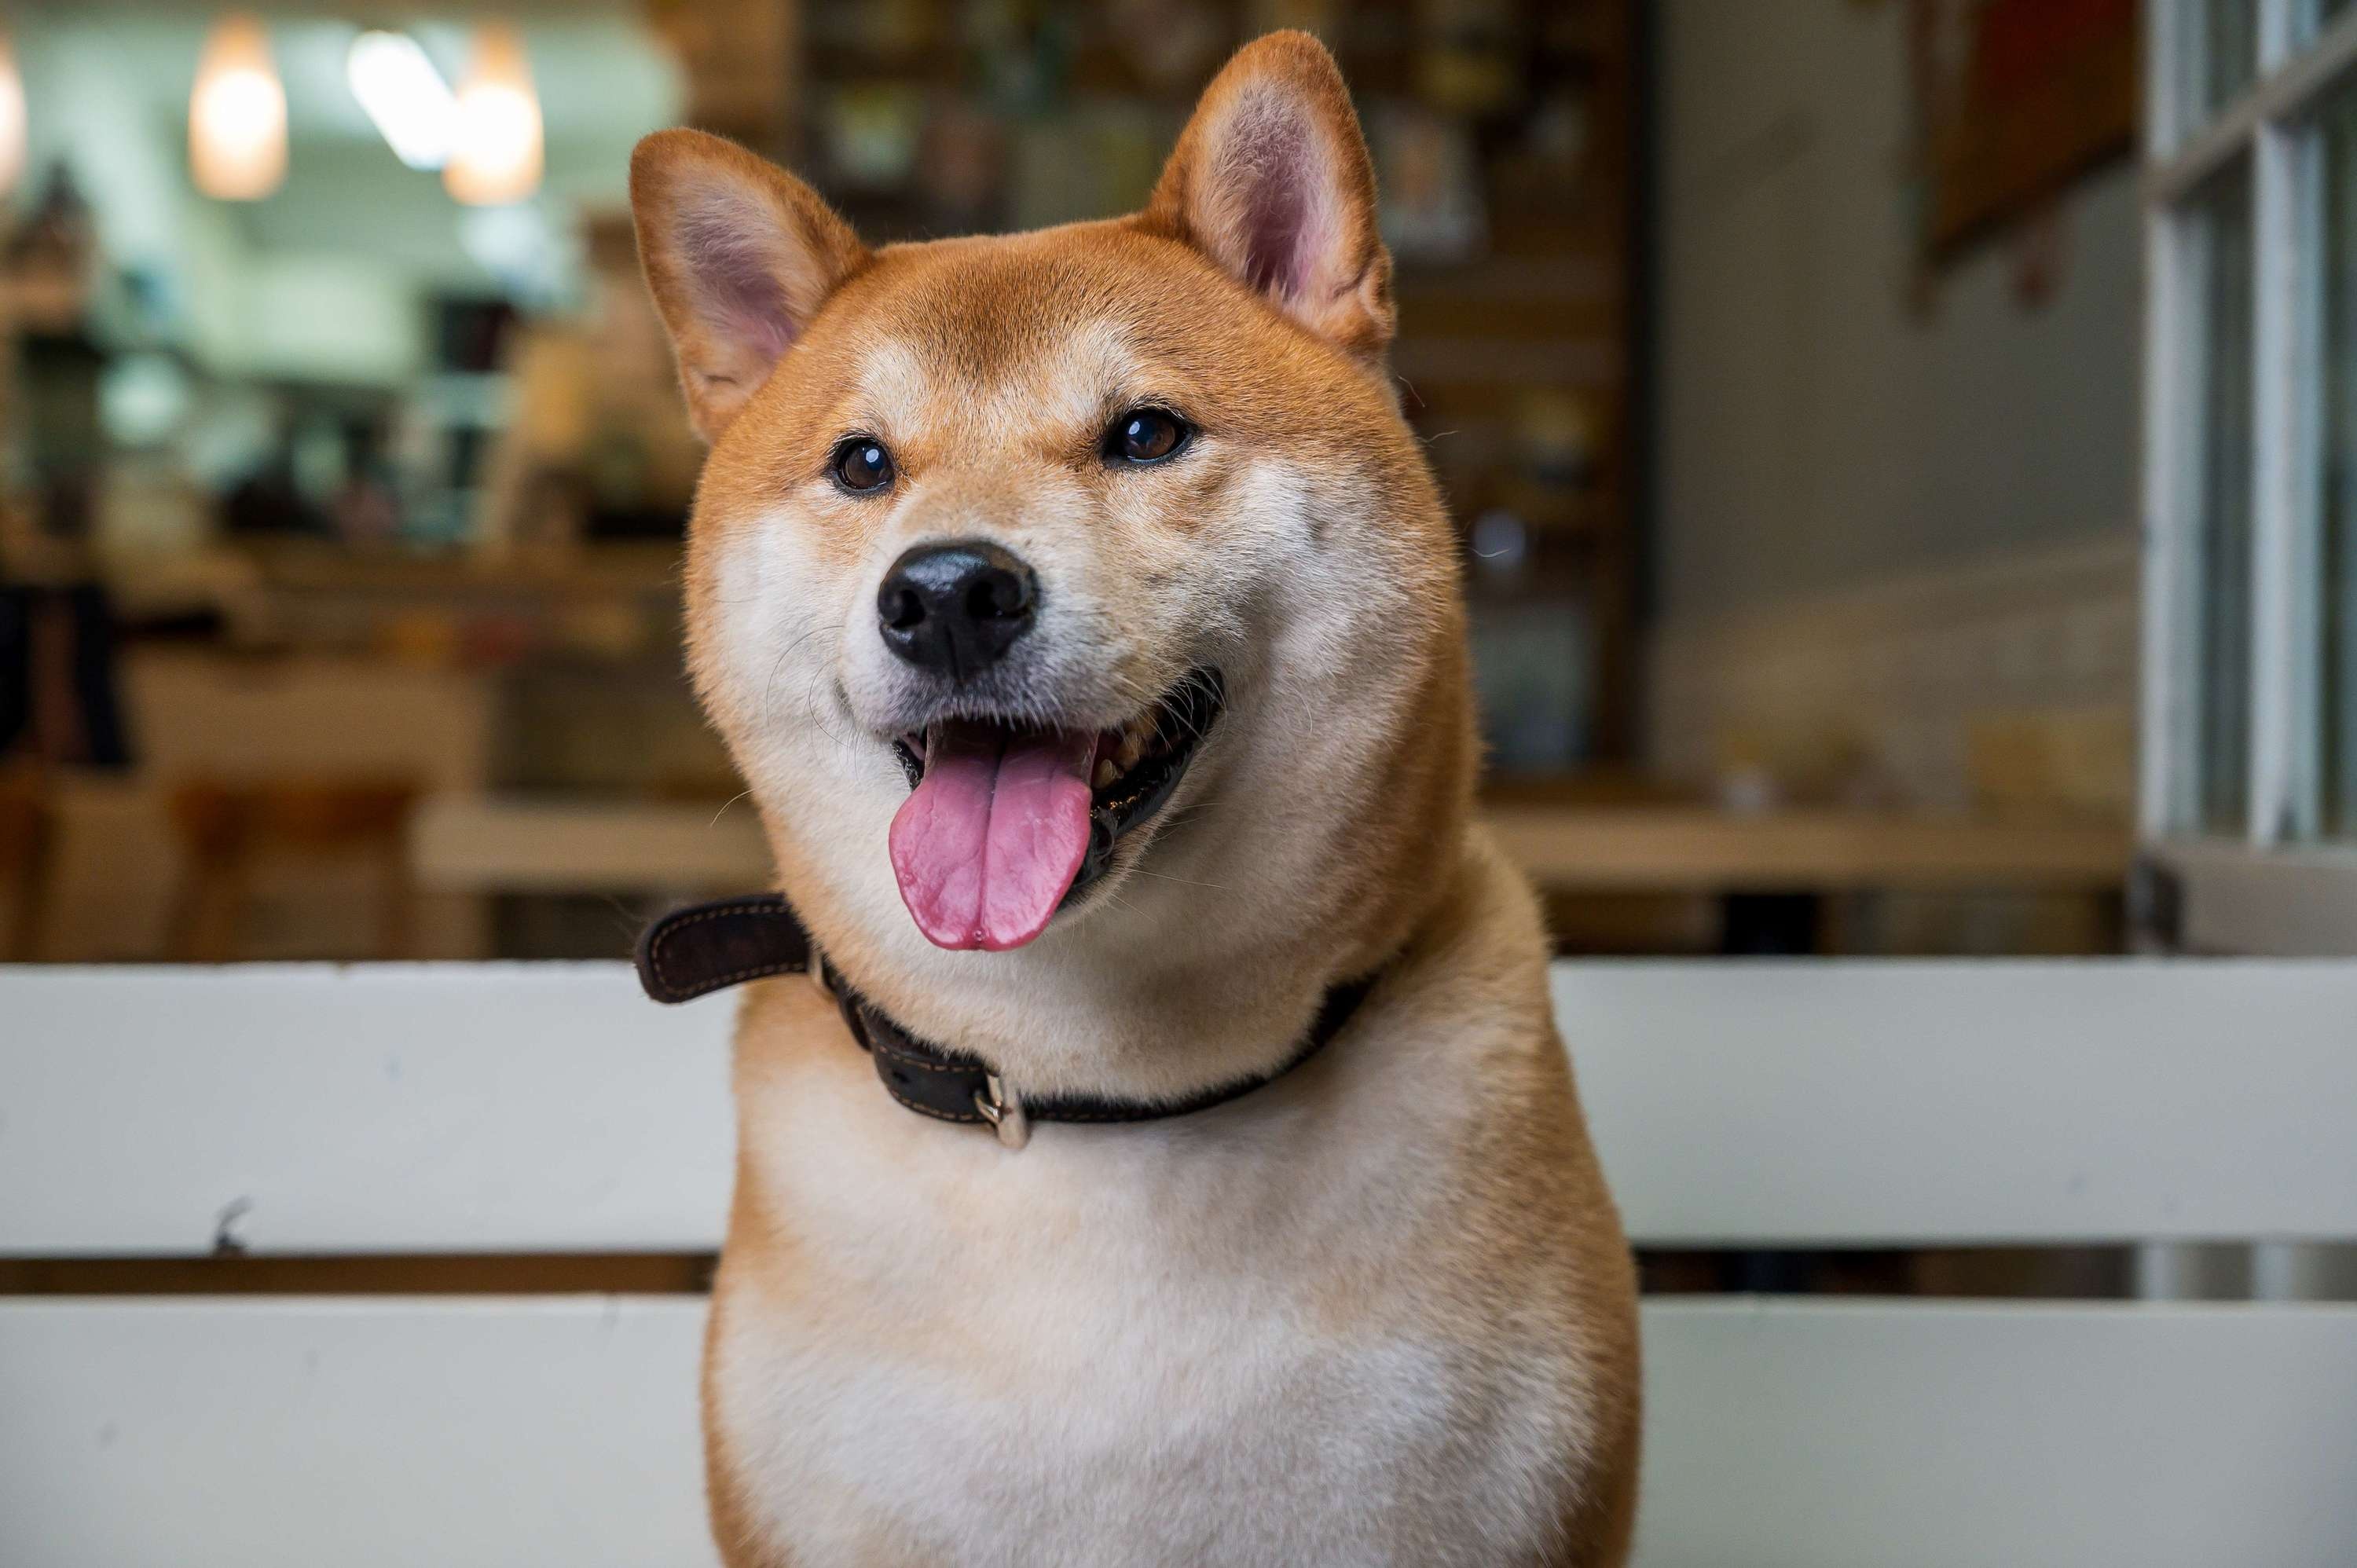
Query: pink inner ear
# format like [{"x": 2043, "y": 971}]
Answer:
[
  {"x": 737, "y": 282},
  {"x": 1272, "y": 158}
]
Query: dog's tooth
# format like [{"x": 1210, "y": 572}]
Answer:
[{"x": 1107, "y": 773}]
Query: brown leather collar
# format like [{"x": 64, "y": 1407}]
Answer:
[{"x": 694, "y": 951}]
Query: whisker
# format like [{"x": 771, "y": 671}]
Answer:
[
  {"x": 1183, "y": 882},
  {"x": 770, "y": 691}
]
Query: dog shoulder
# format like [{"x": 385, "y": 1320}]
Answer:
[{"x": 1537, "y": 1240}]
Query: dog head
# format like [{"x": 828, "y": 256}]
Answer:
[{"x": 1077, "y": 603}]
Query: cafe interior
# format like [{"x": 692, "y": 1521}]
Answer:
[{"x": 1791, "y": 432}]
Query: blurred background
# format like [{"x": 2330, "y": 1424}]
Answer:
[{"x": 1903, "y": 450}]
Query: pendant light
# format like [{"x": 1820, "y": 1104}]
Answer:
[
  {"x": 496, "y": 158},
  {"x": 237, "y": 115},
  {"x": 12, "y": 120}
]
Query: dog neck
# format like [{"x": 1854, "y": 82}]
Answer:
[{"x": 694, "y": 951}]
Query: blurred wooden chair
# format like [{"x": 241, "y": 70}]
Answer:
[
  {"x": 226, "y": 832},
  {"x": 26, "y": 838}
]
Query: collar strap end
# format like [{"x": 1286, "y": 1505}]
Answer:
[{"x": 705, "y": 948}]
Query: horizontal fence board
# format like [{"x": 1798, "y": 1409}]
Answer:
[
  {"x": 1799, "y": 1433},
  {"x": 300, "y": 1108},
  {"x": 202, "y": 1432},
  {"x": 1858, "y": 1104},
  {"x": 493, "y": 1433},
  {"x": 550, "y": 1108}
]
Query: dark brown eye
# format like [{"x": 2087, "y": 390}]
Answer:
[
  {"x": 1146, "y": 435},
  {"x": 861, "y": 464}
]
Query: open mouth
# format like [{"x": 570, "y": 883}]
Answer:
[{"x": 1004, "y": 822}]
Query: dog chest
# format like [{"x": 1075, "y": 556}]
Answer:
[
  {"x": 1205, "y": 1427},
  {"x": 1118, "y": 1347}
]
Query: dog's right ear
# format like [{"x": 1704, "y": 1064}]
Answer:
[{"x": 739, "y": 254}]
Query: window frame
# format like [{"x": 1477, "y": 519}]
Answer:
[{"x": 2273, "y": 888}]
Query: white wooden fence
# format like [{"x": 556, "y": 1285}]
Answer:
[{"x": 400, "y": 1109}]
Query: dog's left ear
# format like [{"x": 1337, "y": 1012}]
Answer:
[{"x": 1272, "y": 180}]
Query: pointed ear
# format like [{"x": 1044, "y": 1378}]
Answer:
[
  {"x": 739, "y": 254},
  {"x": 1272, "y": 180}
]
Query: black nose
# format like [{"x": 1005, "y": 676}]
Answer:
[{"x": 955, "y": 608}]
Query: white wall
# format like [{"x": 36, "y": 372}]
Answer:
[
  {"x": 1896, "y": 534},
  {"x": 1815, "y": 431}
]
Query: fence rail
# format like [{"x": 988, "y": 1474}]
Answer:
[{"x": 389, "y": 1112}]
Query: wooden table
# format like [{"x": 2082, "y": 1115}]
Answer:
[
  {"x": 513, "y": 844},
  {"x": 490, "y": 843},
  {"x": 1692, "y": 849},
  {"x": 1772, "y": 873}
]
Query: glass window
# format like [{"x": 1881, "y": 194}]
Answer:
[
  {"x": 2338, "y": 485},
  {"x": 2250, "y": 725},
  {"x": 2220, "y": 451},
  {"x": 2309, "y": 18},
  {"x": 2223, "y": 35}
]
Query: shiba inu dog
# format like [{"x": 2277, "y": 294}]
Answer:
[{"x": 1084, "y": 619}]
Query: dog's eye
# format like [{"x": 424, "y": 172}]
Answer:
[
  {"x": 1146, "y": 435},
  {"x": 861, "y": 464}
]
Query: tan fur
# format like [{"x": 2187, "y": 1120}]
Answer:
[{"x": 1378, "y": 1311}]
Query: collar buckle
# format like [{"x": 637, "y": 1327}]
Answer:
[{"x": 1003, "y": 1109}]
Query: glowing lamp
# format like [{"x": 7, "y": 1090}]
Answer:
[
  {"x": 496, "y": 157},
  {"x": 12, "y": 119},
  {"x": 237, "y": 115}
]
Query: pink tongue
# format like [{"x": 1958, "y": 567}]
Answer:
[{"x": 994, "y": 834}]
